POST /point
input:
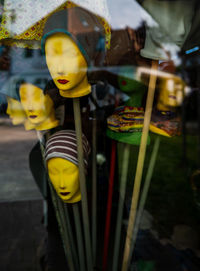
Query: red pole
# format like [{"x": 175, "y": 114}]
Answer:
[{"x": 109, "y": 205}]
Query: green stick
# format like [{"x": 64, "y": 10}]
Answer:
[
  {"x": 42, "y": 149},
  {"x": 145, "y": 191},
  {"x": 86, "y": 225},
  {"x": 79, "y": 237},
  {"x": 63, "y": 231},
  {"x": 94, "y": 188},
  {"x": 63, "y": 210},
  {"x": 123, "y": 182},
  {"x": 139, "y": 169}
]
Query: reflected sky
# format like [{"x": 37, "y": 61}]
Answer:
[{"x": 128, "y": 13}]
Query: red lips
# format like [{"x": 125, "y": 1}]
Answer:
[
  {"x": 172, "y": 97},
  {"x": 62, "y": 81},
  {"x": 64, "y": 193},
  {"x": 33, "y": 116}
]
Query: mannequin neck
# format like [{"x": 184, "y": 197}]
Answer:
[
  {"x": 82, "y": 89},
  {"x": 162, "y": 107}
]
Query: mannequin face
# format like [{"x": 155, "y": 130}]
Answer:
[
  {"x": 171, "y": 93},
  {"x": 15, "y": 111},
  {"x": 66, "y": 63},
  {"x": 37, "y": 106},
  {"x": 64, "y": 176}
]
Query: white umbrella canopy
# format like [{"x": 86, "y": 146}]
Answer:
[
  {"x": 22, "y": 14},
  {"x": 24, "y": 20}
]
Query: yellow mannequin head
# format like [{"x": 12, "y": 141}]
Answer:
[
  {"x": 61, "y": 157},
  {"x": 171, "y": 93},
  {"x": 17, "y": 114},
  {"x": 64, "y": 176},
  {"x": 67, "y": 66},
  {"x": 38, "y": 107},
  {"x": 15, "y": 111}
]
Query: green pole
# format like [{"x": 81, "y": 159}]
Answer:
[
  {"x": 63, "y": 211},
  {"x": 94, "y": 188},
  {"x": 63, "y": 231},
  {"x": 86, "y": 225},
  {"x": 42, "y": 149},
  {"x": 123, "y": 183},
  {"x": 145, "y": 190},
  {"x": 79, "y": 237}
]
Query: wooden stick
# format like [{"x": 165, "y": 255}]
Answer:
[
  {"x": 109, "y": 205},
  {"x": 79, "y": 237},
  {"x": 123, "y": 182},
  {"x": 94, "y": 188},
  {"x": 140, "y": 164},
  {"x": 145, "y": 191},
  {"x": 84, "y": 202}
]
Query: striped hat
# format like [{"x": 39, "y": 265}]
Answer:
[{"x": 63, "y": 144}]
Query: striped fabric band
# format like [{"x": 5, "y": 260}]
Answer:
[{"x": 63, "y": 144}]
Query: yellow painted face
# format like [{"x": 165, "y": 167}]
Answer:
[
  {"x": 37, "y": 106},
  {"x": 171, "y": 93},
  {"x": 15, "y": 111},
  {"x": 67, "y": 66},
  {"x": 64, "y": 176}
]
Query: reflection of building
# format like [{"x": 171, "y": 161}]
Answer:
[{"x": 125, "y": 47}]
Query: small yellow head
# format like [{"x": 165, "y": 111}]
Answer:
[
  {"x": 171, "y": 93},
  {"x": 15, "y": 111},
  {"x": 64, "y": 176},
  {"x": 67, "y": 66},
  {"x": 37, "y": 106}
]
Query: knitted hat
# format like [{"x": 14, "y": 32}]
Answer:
[
  {"x": 81, "y": 26},
  {"x": 63, "y": 144}
]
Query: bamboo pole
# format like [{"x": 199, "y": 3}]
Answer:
[
  {"x": 94, "y": 188},
  {"x": 145, "y": 191},
  {"x": 79, "y": 237},
  {"x": 109, "y": 205},
  {"x": 84, "y": 203},
  {"x": 140, "y": 164},
  {"x": 123, "y": 183}
]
